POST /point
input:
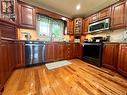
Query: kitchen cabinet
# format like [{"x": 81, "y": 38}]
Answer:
[
  {"x": 49, "y": 53},
  {"x": 110, "y": 56},
  {"x": 61, "y": 51},
  {"x": 58, "y": 51},
  {"x": 70, "y": 27},
  {"x": 79, "y": 51},
  {"x": 122, "y": 60},
  {"x": 78, "y": 26},
  {"x": 118, "y": 16},
  {"x": 26, "y": 16},
  {"x": 11, "y": 55},
  {"x": 126, "y": 13},
  {"x": 7, "y": 60},
  {"x": 94, "y": 17},
  {"x": 8, "y": 9},
  {"x": 105, "y": 13},
  {"x": 86, "y": 23},
  {"x": 20, "y": 54},
  {"x": 68, "y": 53},
  {"x": 8, "y": 30},
  {"x": 4, "y": 66}
]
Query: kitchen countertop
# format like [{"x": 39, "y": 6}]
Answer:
[
  {"x": 121, "y": 42},
  {"x": 47, "y": 41}
]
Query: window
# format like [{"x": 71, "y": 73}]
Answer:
[{"x": 49, "y": 29}]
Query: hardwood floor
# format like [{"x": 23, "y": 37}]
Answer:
[{"x": 77, "y": 78}]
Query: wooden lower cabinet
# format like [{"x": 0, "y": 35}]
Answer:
[
  {"x": 7, "y": 60},
  {"x": 49, "y": 53},
  {"x": 110, "y": 56},
  {"x": 122, "y": 60},
  {"x": 62, "y": 51},
  {"x": 79, "y": 51},
  {"x": 68, "y": 52},
  {"x": 20, "y": 54}
]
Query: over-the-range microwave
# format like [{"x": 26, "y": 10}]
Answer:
[{"x": 99, "y": 26}]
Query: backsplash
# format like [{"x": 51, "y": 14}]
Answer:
[
  {"x": 115, "y": 36},
  {"x": 32, "y": 33}
]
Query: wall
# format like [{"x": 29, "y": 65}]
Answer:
[
  {"x": 32, "y": 33},
  {"x": 115, "y": 36}
]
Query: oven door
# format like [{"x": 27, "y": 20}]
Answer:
[{"x": 92, "y": 53}]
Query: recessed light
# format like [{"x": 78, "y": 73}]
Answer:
[
  {"x": 78, "y": 7},
  {"x": 63, "y": 18}
]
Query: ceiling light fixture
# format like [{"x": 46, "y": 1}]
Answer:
[
  {"x": 63, "y": 18},
  {"x": 78, "y": 7}
]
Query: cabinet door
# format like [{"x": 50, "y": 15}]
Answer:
[
  {"x": 122, "y": 60},
  {"x": 4, "y": 63},
  {"x": 126, "y": 14},
  {"x": 7, "y": 60},
  {"x": 68, "y": 53},
  {"x": 94, "y": 18},
  {"x": 49, "y": 55},
  {"x": 1, "y": 68},
  {"x": 110, "y": 56},
  {"x": 70, "y": 26},
  {"x": 74, "y": 51},
  {"x": 105, "y": 13},
  {"x": 78, "y": 26},
  {"x": 26, "y": 16},
  {"x": 79, "y": 51},
  {"x": 11, "y": 55},
  {"x": 85, "y": 25},
  {"x": 118, "y": 16},
  {"x": 20, "y": 54},
  {"x": 61, "y": 51}
]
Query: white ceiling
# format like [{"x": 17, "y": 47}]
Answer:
[{"x": 68, "y": 7}]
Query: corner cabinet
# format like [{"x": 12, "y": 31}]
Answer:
[
  {"x": 118, "y": 16},
  {"x": 122, "y": 60},
  {"x": 26, "y": 16},
  {"x": 110, "y": 56},
  {"x": 78, "y": 26}
]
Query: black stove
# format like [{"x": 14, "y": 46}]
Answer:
[{"x": 92, "y": 53}]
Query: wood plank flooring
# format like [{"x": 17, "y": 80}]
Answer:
[{"x": 77, "y": 78}]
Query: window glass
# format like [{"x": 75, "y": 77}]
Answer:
[{"x": 49, "y": 29}]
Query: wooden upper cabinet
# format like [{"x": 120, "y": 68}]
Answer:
[
  {"x": 94, "y": 18},
  {"x": 105, "y": 13},
  {"x": 122, "y": 60},
  {"x": 118, "y": 16},
  {"x": 126, "y": 13},
  {"x": 86, "y": 22},
  {"x": 26, "y": 16},
  {"x": 78, "y": 26},
  {"x": 8, "y": 11},
  {"x": 110, "y": 56},
  {"x": 70, "y": 27}
]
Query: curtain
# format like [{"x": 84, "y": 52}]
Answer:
[{"x": 49, "y": 29}]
